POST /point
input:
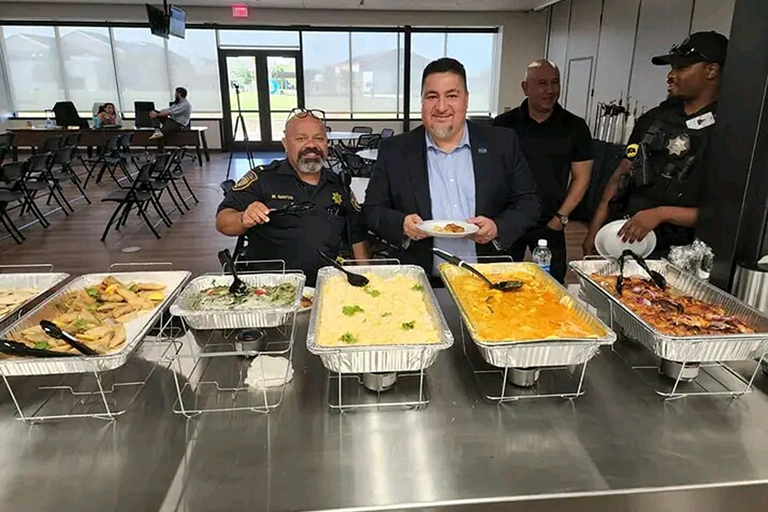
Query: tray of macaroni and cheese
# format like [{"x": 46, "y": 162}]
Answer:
[
  {"x": 206, "y": 304},
  {"x": 109, "y": 312},
  {"x": 744, "y": 332},
  {"x": 393, "y": 324},
  {"x": 538, "y": 325}
]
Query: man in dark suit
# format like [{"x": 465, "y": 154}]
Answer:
[{"x": 450, "y": 169}]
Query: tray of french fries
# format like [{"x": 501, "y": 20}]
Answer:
[{"x": 109, "y": 312}]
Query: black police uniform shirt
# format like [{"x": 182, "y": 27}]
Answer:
[
  {"x": 679, "y": 168},
  {"x": 295, "y": 237},
  {"x": 550, "y": 148}
]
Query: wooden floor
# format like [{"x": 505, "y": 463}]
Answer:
[{"x": 72, "y": 243}]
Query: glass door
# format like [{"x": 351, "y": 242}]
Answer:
[{"x": 260, "y": 88}]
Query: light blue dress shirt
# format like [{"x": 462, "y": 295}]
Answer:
[{"x": 452, "y": 193}]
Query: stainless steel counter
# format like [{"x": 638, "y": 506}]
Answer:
[{"x": 607, "y": 450}]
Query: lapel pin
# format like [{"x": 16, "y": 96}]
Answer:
[{"x": 482, "y": 151}]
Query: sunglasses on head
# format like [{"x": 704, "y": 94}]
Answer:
[
  {"x": 684, "y": 50},
  {"x": 302, "y": 112}
]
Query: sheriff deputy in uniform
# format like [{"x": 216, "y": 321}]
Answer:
[
  {"x": 293, "y": 207},
  {"x": 660, "y": 183}
]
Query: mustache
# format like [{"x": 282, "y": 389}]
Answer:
[{"x": 311, "y": 151}]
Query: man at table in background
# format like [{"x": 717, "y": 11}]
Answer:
[
  {"x": 660, "y": 184},
  {"x": 174, "y": 118},
  {"x": 450, "y": 169},
  {"x": 558, "y": 147},
  {"x": 321, "y": 211}
]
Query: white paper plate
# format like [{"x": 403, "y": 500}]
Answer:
[
  {"x": 610, "y": 245},
  {"x": 431, "y": 228},
  {"x": 309, "y": 293}
]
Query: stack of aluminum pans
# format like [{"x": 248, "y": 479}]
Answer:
[
  {"x": 240, "y": 319},
  {"x": 711, "y": 348},
  {"x": 134, "y": 330},
  {"x": 380, "y": 358},
  {"x": 42, "y": 282},
  {"x": 512, "y": 353}
]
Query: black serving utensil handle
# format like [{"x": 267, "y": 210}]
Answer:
[
  {"x": 14, "y": 348},
  {"x": 53, "y": 330},
  {"x": 356, "y": 280},
  {"x": 455, "y": 260},
  {"x": 238, "y": 287}
]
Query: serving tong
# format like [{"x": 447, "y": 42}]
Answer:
[
  {"x": 293, "y": 207},
  {"x": 237, "y": 287},
  {"x": 15, "y": 348},
  {"x": 659, "y": 280},
  {"x": 53, "y": 330},
  {"x": 504, "y": 286}
]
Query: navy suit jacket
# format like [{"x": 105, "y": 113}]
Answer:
[{"x": 504, "y": 190}]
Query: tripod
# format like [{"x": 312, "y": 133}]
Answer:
[{"x": 239, "y": 121}]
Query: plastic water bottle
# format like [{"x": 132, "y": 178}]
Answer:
[{"x": 542, "y": 256}]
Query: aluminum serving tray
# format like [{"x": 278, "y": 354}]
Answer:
[
  {"x": 135, "y": 330},
  {"x": 727, "y": 347},
  {"x": 242, "y": 319},
  {"x": 380, "y": 358},
  {"x": 512, "y": 353},
  {"x": 44, "y": 282}
]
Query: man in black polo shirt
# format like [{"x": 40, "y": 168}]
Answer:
[
  {"x": 293, "y": 207},
  {"x": 558, "y": 147}
]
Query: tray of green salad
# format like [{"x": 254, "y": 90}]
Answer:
[{"x": 206, "y": 304}]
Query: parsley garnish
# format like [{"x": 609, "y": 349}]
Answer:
[
  {"x": 351, "y": 310},
  {"x": 408, "y": 326},
  {"x": 81, "y": 323},
  {"x": 93, "y": 292},
  {"x": 371, "y": 291},
  {"x": 348, "y": 338},
  {"x": 42, "y": 345},
  {"x": 417, "y": 288}
]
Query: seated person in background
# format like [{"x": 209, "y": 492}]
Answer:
[
  {"x": 108, "y": 116},
  {"x": 174, "y": 118},
  {"x": 326, "y": 212}
]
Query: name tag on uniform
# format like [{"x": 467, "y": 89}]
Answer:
[
  {"x": 704, "y": 120},
  {"x": 282, "y": 197}
]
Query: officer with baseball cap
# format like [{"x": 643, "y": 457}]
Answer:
[{"x": 659, "y": 184}]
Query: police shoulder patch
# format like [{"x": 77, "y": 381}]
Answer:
[
  {"x": 355, "y": 205},
  {"x": 247, "y": 180}
]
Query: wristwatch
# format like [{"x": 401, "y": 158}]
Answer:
[{"x": 562, "y": 218}]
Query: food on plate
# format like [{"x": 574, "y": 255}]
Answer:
[
  {"x": 534, "y": 312},
  {"x": 671, "y": 312},
  {"x": 388, "y": 311},
  {"x": 217, "y": 297},
  {"x": 95, "y": 315},
  {"x": 449, "y": 228},
  {"x": 307, "y": 298},
  {"x": 12, "y": 298}
]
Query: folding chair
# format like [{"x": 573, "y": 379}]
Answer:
[
  {"x": 177, "y": 173},
  {"x": 138, "y": 195},
  {"x": 387, "y": 133},
  {"x": 63, "y": 158},
  {"x": 38, "y": 178},
  {"x": 12, "y": 179}
]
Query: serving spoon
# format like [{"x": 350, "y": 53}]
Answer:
[
  {"x": 237, "y": 287},
  {"x": 356, "y": 280},
  {"x": 504, "y": 286}
]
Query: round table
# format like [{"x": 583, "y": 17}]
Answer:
[{"x": 368, "y": 154}]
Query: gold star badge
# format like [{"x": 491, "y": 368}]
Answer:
[
  {"x": 678, "y": 146},
  {"x": 632, "y": 151},
  {"x": 336, "y": 198}
]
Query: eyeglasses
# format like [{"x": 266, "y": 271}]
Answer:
[
  {"x": 684, "y": 50},
  {"x": 302, "y": 112}
]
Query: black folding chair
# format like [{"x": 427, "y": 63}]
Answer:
[
  {"x": 13, "y": 180},
  {"x": 3, "y": 152},
  {"x": 387, "y": 133},
  {"x": 6, "y": 140},
  {"x": 356, "y": 165},
  {"x": 50, "y": 145},
  {"x": 242, "y": 241},
  {"x": 138, "y": 195},
  {"x": 63, "y": 158},
  {"x": 160, "y": 181},
  {"x": 362, "y": 129},
  {"x": 73, "y": 139},
  {"x": 38, "y": 178},
  {"x": 368, "y": 141},
  {"x": 177, "y": 173}
]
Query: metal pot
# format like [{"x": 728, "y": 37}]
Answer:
[
  {"x": 523, "y": 377},
  {"x": 673, "y": 370},
  {"x": 251, "y": 340},
  {"x": 378, "y": 382}
]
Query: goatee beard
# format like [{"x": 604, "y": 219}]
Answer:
[
  {"x": 309, "y": 166},
  {"x": 440, "y": 133}
]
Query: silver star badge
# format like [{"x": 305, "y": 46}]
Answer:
[{"x": 678, "y": 146}]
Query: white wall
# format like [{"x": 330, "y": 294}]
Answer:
[
  {"x": 630, "y": 33},
  {"x": 523, "y": 34}
]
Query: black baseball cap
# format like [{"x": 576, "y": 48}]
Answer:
[{"x": 698, "y": 47}]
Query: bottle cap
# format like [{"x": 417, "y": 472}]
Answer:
[{"x": 542, "y": 243}]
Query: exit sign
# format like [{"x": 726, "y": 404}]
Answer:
[{"x": 240, "y": 11}]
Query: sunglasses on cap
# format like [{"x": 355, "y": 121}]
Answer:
[
  {"x": 302, "y": 112},
  {"x": 684, "y": 50}
]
